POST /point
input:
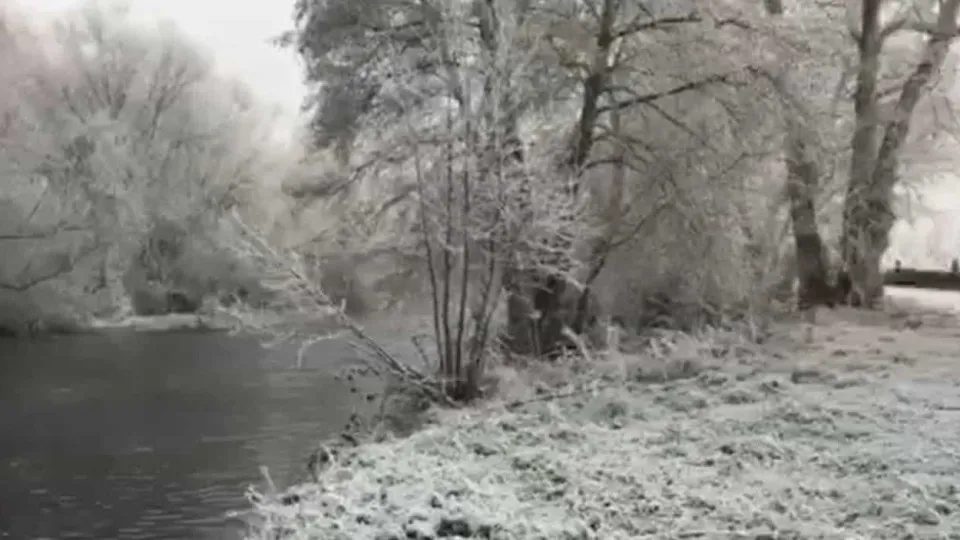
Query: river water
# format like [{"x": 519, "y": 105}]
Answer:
[{"x": 155, "y": 436}]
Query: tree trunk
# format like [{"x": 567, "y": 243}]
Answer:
[
  {"x": 860, "y": 242},
  {"x": 522, "y": 335},
  {"x": 867, "y": 224},
  {"x": 547, "y": 299},
  {"x": 803, "y": 179},
  {"x": 521, "y": 330},
  {"x": 538, "y": 309},
  {"x": 803, "y": 182}
]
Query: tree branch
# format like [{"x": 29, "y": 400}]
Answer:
[
  {"x": 648, "y": 98},
  {"x": 636, "y": 26},
  {"x": 39, "y": 235},
  {"x": 910, "y": 19},
  {"x": 896, "y": 130}
]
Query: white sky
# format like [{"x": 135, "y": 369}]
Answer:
[{"x": 236, "y": 31}]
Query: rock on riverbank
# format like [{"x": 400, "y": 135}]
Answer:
[{"x": 854, "y": 435}]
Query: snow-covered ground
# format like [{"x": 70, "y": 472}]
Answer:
[{"x": 855, "y": 434}]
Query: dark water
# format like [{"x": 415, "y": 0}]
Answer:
[{"x": 154, "y": 435}]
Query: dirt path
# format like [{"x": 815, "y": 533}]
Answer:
[{"x": 855, "y": 434}]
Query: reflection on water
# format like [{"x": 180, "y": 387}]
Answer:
[{"x": 153, "y": 435}]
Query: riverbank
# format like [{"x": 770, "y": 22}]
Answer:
[
  {"x": 173, "y": 322},
  {"x": 163, "y": 323},
  {"x": 850, "y": 435}
]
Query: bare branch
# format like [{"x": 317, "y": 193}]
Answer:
[
  {"x": 641, "y": 24},
  {"x": 39, "y": 235},
  {"x": 909, "y": 17},
  {"x": 649, "y": 98}
]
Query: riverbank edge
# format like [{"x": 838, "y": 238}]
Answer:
[
  {"x": 163, "y": 323},
  {"x": 623, "y": 448},
  {"x": 173, "y": 322}
]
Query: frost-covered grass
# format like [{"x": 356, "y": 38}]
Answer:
[{"x": 855, "y": 435}]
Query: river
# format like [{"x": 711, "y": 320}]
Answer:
[{"x": 155, "y": 436}]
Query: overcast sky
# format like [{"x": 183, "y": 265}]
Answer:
[{"x": 236, "y": 31}]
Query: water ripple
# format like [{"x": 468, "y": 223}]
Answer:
[{"x": 160, "y": 445}]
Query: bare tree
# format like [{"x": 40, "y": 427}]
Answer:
[
  {"x": 588, "y": 65},
  {"x": 488, "y": 207},
  {"x": 483, "y": 215}
]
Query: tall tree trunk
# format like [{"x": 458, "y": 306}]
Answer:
[
  {"x": 803, "y": 183},
  {"x": 585, "y": 310},
  {"x": 868, "y": 216},
  {"x": 542, "y": 305},
  {"x": 521, "y": 335},
  {"x": 858, "y": 243}
]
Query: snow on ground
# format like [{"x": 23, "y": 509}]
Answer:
[{"x": 855, "y": 434}]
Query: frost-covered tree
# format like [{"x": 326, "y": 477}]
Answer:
[
  {"x": 867, "y": 109},
  {"x": 646, "y": 107},
  {"x": 121, "y": 134},
  {"x": 886, "y": 96}
]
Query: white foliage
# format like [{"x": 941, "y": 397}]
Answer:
[{"x": 110, "y": 125}]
